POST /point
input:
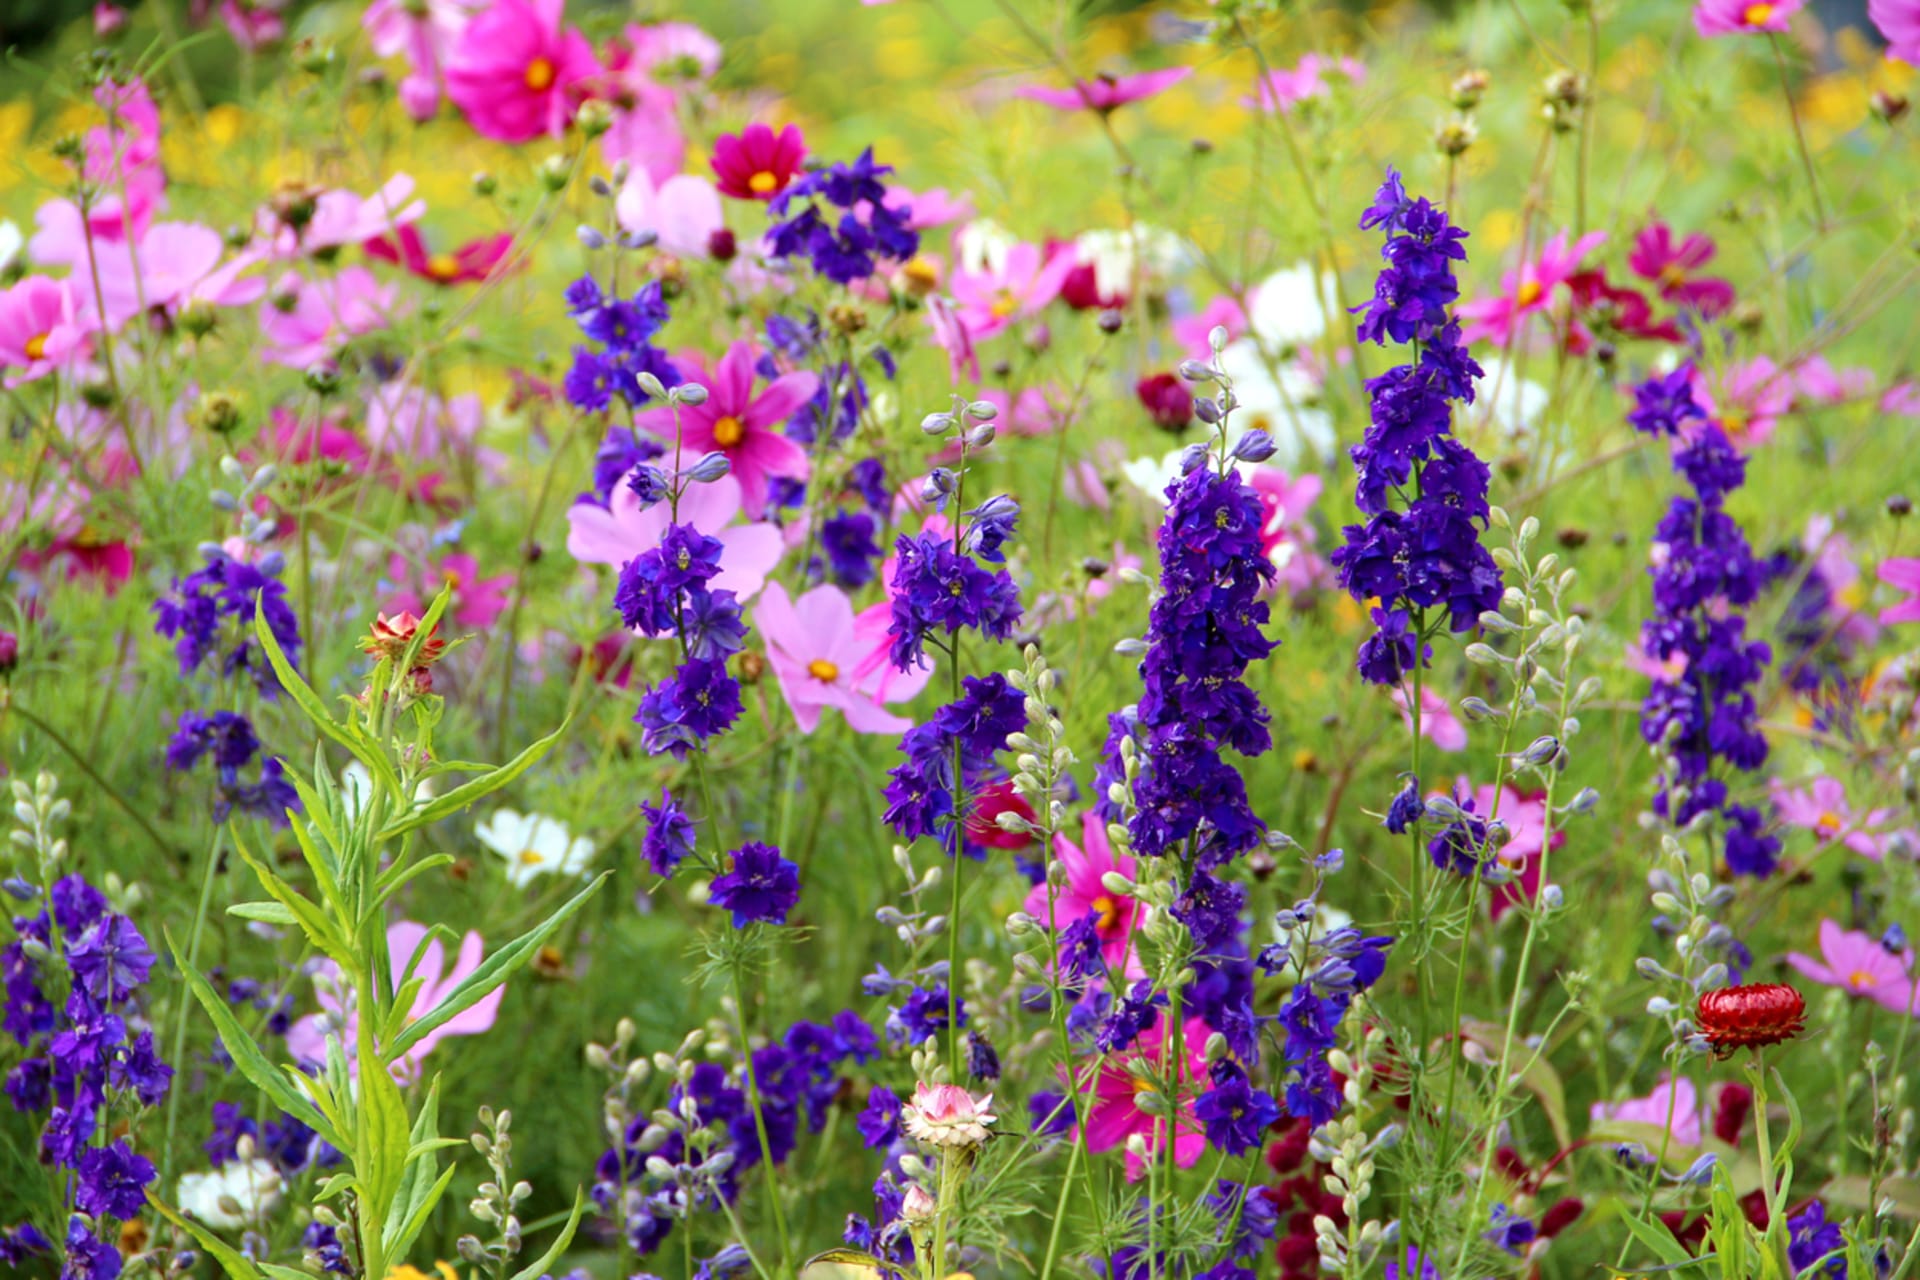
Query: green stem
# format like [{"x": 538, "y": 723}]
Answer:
[
  {"x": 177, "y": 1053},
  {"x": 760, "y": 1121},
  {"x": 1799, "y": 134}
]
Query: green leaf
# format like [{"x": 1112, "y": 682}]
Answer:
[
  {"x": 382, "y": 1155},
  {"x": 847, "y": 1263},
  {"x": 493, "y": 971},
  {"x": 231, "y": 1260},
  {"x": 1537, "y": 1075},
  {"x": 1659, "y": 1241},
  {"x": 417, "y": 1181},
  {"x": 310, "y": 705},
  {"x": 544, "y": 1263},
  {"x": 265, "y": 912},
  {"x": 468, "y": 792},
  {"x": 312, "y": 920},
  {"x": 246, "y": 1055}
]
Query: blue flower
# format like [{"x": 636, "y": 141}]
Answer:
[
  {"x": 1233, "y": 1112},
  {"x": 669, "y": 839},
  {"x": 761, "y": 886},
  {"x": 113, "y": 1181}
]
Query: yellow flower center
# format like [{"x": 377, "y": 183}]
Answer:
[
  {"x": 823, "y": 671},
  {"x": 1106, "y": 915},
  {"x": 1672, "y": 275},
  {"x": 1733, "y": 422},
  {"x": 1829, "y": 825},
  {"x": 1755, "y": 15},
  {"x": 729, "y": 431},
  {"x": 450, "y": 577},
  {"x": 1004, "y": 305},
  {"x": 531, "y": 858},
  {"x": 762, "y": 183},
  {"x": 921, "y": 274},
  {"x": 1860, "y": 980},
  {"x": 1528, "y": 293},
  {"x": 37, "y": 346},
  {"x": 443, "y": 266},
  {"x": 540, "y": 75}
]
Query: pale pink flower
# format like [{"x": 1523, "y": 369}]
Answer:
[
  {"x": 823, "y": 655},
  {"x": 1192, "y": 332},
  {"x": 1282, "y": 88},
  {"x": 1286, "y": 535},
  {"x": 514, "y": 73},
  {"x": 253, "y": 24},
  {"x": 1902, "y": 573},
  {"x": 1822, "y": 808},
  {"x": 1746, "y": 400},
  {"x": 1817, "y": 380},
  {"x": 476, "y": 601},
  {"x": 668, "y": 51},
  {"x": 1674, "y": 1098},
  {"x": 306, "y": 322},
  {"x": 423, "y": 32},
  {"x": 1115, "y": 1113},
  {"x": 744, "y": 426},
  {"x": 1105, "y": 93},
  {"x": 1027, "y": 280},
  {"x": 175, "y": 263},
  {"x": 1899, "y": 22},
  {"x": 621, "y": 531},
  {"x": 1860, "y": 965},
  {"x": 1737, "y": 17},
  {"x": 307, "y": 1038},
  {"x": 1528, "y": 291},
  {"x": 930, "y": 208},
  {"x": 341, "y": 218},
  {"x": 950, "y": 333},
  {"x": 1029, "y": 413},
  {"x": 1083, "y": 893},
  {"x": 1902, "y": 398},
  {"x": 1438, "y": 724},
  {"x": 684, "y": 211},
  {"x": 645, "y": 133},
  {"x": 948, "y": 1117},
  {"x": 42, "y": 328},
  {"x": 1637, "y": 659}
]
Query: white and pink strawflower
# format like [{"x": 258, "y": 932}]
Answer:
[{"x": 948, "y": 1117}]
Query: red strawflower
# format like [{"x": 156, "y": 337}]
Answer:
[
  {"x": 757, "y": 164},
  {"x": 391, "y": 635},
  {"x": 1741, "y": 1017}
]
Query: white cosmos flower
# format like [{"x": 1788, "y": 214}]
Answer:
[
  {"x": 10, "y": 242},
  {"x": 534, "y": 845},
  {"x": 982, "y": 246},
  {"x": 1303, "y": 435},
  {"x": 1513, "y": 403},
  {"x": 237, "y": 1195},
  {"x": 1289, "y": 308},
  {"x": 1112, "y": 255}
]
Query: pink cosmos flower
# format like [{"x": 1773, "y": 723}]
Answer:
[
  {"x": 1115, "y": 915},
  {"x": 342, "y": 218},
  {"x": 1747, "y": 400},
  {"x": 1899, "y": 22},
  {"x": 988, "y": 301},
  {"x": 1281, "y": 88},
  {"x": 930, "y": 208},
  {"x": 513, "y": 71},
  {"x": 825, "y": 656},
  {"x": 1902, "y": 398},
  {"x": 756, "y": 163},
  {"x": 1734, "y": 17},
  {"x": 124, "y": 152},
  {"x": 42, "y": 328},
  {"x": 1822, "y": 808},
  {"x": 476, "y": 601},
  {"x": 1637, "y": 659},
  {"x": 1675, "y": 1097},
  {"x": 1029, "y": 413},
  {"x": 307, "y": 1038},
  {"x": 253, "y": 24},
  {"x": 684, "y": 211},
  {"x": 471, "y": 263},
  {"x": 1525, "y": 816},
  {"x": 1438, "y": 724},
  {"x": 1191, "y": 332},
  {"x": 1528, "y": 291},
  {"x": 1860, "y": 965},
  {"x": 1286, "y": 535},
  {"x": 424, "y": 32},
  {"x": 1673, "y": 267},
  {"x": 306, "y": 322},
  {"x": 624, "y": 529},
  {"x": 1115, "y": 1113},
  {"x": 1817, "y": 380},
  {"x": 1902, "y": 573},
  {"x": 1104, "y": 92},
  {"x": 175, "y": 263},
  {"x": 667, "y": 51},
  {"x": 742, "y": 425},
  {"x": 645, "y": 132},
  {"x": 950, "y": 334}
]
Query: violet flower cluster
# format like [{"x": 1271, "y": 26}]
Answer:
[
  {"x": 621, "y": 330},
  {"x": 71, "y": 977},
  {"x": 209, "y": 617},
  {"x": 842, "y": 224},
  {"x": 228, "y": 739},
  {"x": 668, "y": 590},
  {"x": 1704, "y": 576},
  {"x": 1424, "y": 553}
]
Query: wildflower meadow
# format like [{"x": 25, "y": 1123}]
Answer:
[{"x": 959, "y": 639}]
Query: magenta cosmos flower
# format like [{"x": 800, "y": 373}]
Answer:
[
  {"x": 513, "y": 72},
  {"x": 307, "y": 1038},
  {"x": 1899, "y": 22},
  {"x": 1861, "y": 965},
  {"x": 1438, "y": 724},
  {"x": 1747, "y": 399},
  {"x": 1115, "y": 915},
  {"x": 1281, "y": 88},
  {"x": 742, "y": 425},
  {"x": 1528, "y": 291},
  {"x": 1674, "y": 267},
  {"x": 1735, "y": 17},
  {"x": 1027, "y": 280},
  {"x": 471, "y": 263},
  {"x": 1822, "y": 808},
  {"x": 1104, "y": 92},
  {"x": 623, "y": 529},
  {"x": 1286, "y": 535},
  {"x": 423, "y": 32},
  {"x": 1115, "y": 1114},
  {"x": 306, "y": 322},
  {"x": 476, "y": 601},
  {"x": 825, "y": 655},
  {"x": 1673, "y": 1106},
  {"x": 177, "y": 263},
  {"x": 41, "y": 329},
  {"x": 1902, "y": 573},
  {"x": 757, "y": 163}
]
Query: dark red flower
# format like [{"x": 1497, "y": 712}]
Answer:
[
  {"x": 1730, "y": 1112},
  {"x": 1561, "y": 1216},
  {"x": 1739, "y": 1017},
  {"x": 1167, "y": 400},
  {"x": 9, "y": 651}
]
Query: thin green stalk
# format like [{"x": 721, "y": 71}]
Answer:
[
  {"x": 177, "y": 1051},
  {"x": 760, "y": 1123},
  {"x": 1799, "y": 134}
]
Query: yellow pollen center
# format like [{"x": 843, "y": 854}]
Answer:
[
  {"x": 1005, "y": 305},
  {"x": 1106, "y": 915},
  {"x": 540, "y": 75},
  {"x": 37, "y": 346},
  {"x": 1529, "y": 293},
  {"x": 920, "y": 271},
  {"x": 729, "y": 431},
  {"x": 450, "y": 577},
  {"x": 1672, "y": 275},
  {"x": 1860, "y": 980},
  {"x": 1733, "y": 422},
  {"x": 822, "y": 670},
  {"x": 1829, "y": 825},
  {"x": 1755, "y": 15},
  {"x": 443, "y": 266},
  {"x": 762, "y": 183},
  {"x": 531, "y": 858},
  {"x": 1141, "y": 1086}
]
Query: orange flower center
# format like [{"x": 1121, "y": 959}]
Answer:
[
  {"x": 1528, "y": 293},
  {"x": 823, "y": 671},
  {"x": 921, "y": 273},
  {"x": 540, "y": 75},
  {"x": 1755, "y": 15},
  {"x": 1672, "y": 275},
  {"x": 37, "y": 346},
  {"x": 1829, "y": 825},
  {"x": 531, "y": 858},
  {"x": 1106, "y": 915},
  {"x": 1005, "y": 305},
  {"x": 763, "y": 183},
  {"x": 729, "y": 431},
  {"x": 1733, "y": 422},
  {"x": 1860, "y": 980},
  {"x": 443, "y": 266}
]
